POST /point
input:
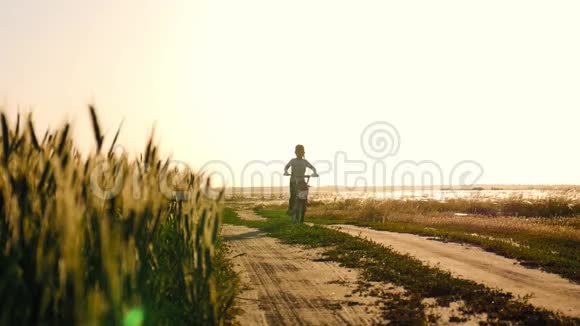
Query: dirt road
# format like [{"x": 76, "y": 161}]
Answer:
[
  {"x": 284, "y": 285},
  {"x": 469, "y": 262},
  {"x": 287, "y": 286}
]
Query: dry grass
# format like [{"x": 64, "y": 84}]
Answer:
[
  {"x": 553, "y": 206},
  {"x": 559, "y": 227},
  {"x": 483, "y": 216}
]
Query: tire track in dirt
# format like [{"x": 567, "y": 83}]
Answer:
[
  {"x": 284, "y": 285},
  {"x": 548, "y": 290}
]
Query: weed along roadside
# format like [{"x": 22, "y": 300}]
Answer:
[{"x": 426, "y": 288}]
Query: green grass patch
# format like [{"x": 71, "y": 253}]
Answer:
[{"x": 382, "y": 264}]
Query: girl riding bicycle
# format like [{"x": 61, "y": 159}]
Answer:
[{"x": 298, "y": 166}]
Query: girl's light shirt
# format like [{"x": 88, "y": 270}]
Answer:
[{"x": 299, "y": 166}]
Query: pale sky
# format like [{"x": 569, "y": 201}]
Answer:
[{"x": 496, "y": 82}]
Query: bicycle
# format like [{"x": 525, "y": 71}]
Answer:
[{"x": 301, "y": 199}]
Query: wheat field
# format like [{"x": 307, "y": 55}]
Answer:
[{"x": 95, "y": 240}]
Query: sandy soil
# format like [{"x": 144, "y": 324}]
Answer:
[
  {"x": 248, "y": 215},
  {"x": 284, "y": 285},
  {"x": 469, "y": 262}
]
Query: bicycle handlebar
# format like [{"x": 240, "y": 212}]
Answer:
[{"x": 302, "y": 176}]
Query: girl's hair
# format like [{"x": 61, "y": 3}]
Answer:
[{"x": 299, "y": 149}]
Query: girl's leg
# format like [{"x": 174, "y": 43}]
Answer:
[{"x": 293, "y": 191}]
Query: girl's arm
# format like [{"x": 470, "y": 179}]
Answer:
[
  {"x": 311, "y": 167},
  {"x": 287, "y": 167}
]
